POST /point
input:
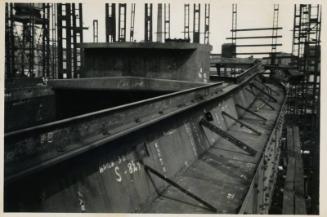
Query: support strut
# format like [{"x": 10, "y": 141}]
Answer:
[
  {"x": 264, "y": 92},
  {"x": 228, "y": 137},
  {"x": 241, "y": 122},
  {"x": 173, "y": 183},
  {"x": 251, "y": 112}
]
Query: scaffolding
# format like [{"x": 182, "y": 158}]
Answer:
[
  {"x": 70, "y": 34},
  {"x": 167, "y": 21},
  {"x": 131, "y": 35},
  {"x": 304, "y": 95},
  {"x": 27, "y": 40},
  {"x": 122, "y": 22},
  {"x": 196, "y": 22},
  {"x": 234, "y": 22},
  {"x": 304, "y": 92},
  {"x": 148, "y": 22},
  {"x": 187, "y": 22},
  {"x": 159, "y": 23},
  {"x": 206, "y": 23},
  {"x": 110, "y": 17},
  {"x": 95, "y": 31},
  {"x": 273, "y": 37},
  {"x": 53, "y": 39}
]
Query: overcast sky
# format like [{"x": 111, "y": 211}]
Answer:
[{"x": 251, "y": 14}]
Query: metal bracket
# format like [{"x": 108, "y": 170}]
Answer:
[
  {"x": 173, "y": 183},
  {"x": 228, "y": 137},
  {"x": 251, "y": 112},
  {"x": 250, "y": 91},
  {"x": 264, "y": 92},
  {"x": 270, "y": 89},
  {"x": 266, "y": 103},
  {"x": 241, "y": 122}
]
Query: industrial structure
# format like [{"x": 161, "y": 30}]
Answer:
[{"x": 161, "y": 125}]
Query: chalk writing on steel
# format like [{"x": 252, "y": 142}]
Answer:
[
  {"x": 164, "y": 169},
  {"x": 120, "y": 169}
]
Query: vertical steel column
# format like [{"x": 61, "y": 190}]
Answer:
[
  {"x": 95, "y": 30},
  {"x": 196, "y": 22},
  {"x": 8, "y": 70},
  {"x": 110, "y": 22},
  {"x": 122, "y": 22},
  {"x": 80, "y": 39},
  {"x": 60, "y": 45},
  {"x": 54, "y": 42},
  {"x": 187, "y": 21},
  {"x": 47, "y": 43},
  {"x": 68, "y": 48},
  {"x": 23, "y": 48},
  {"x": 274, "y": 35},
  {"x": 77, "y": 29},
  {"x": 234, "y": 23},
  {"x": 10, "y": 41},
  {"x": 167, "y": 20},
  {"x": 316, "y": 59},
  {"x": 148, "y": 22},
  {"x": 45, "y": 40},
  {"x": 159, "y": 23},
  {"x": 74, "y": 31},
  {"x": 31, "y": 44},
  {"x": 206, "y": 23},
  {"x": 64, "y": 17},
  {"x": 131, "y": 35}
]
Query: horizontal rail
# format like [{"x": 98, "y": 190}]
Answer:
[
  {"x": 240, "y": 77},
  {"x": 256, "y": 29},
  {"x": 67, "y": 121},
  {"x": 257, "y": 45},
  {"x": 256, "y": 53},
  {"x": 199, "y": 97},
  {"x": 255, "y": 37}
]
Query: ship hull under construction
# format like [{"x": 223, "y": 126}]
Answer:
[{"x": 212, "y": 148}]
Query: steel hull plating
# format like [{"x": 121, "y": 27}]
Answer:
[{"x": 156, "y": 155}]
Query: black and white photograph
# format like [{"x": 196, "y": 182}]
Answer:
[{"x": 162, "y": 107}]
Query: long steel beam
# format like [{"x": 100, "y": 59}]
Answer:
[
  {"x": 254, "y": 37},
  {"x": 256, "y": 29},
  {"x": 257, "y": 45},
  {"x": 98, "y": 128},
  {"x": 229, "y": 137}
]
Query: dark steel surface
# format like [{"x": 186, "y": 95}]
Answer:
[
  {"x": 94, "y": 160},
  {"x": 123, "y": 83},
  {"x": 229, "y": 137},
  {"x": 226, "y": 169},
  {"x": 95, "y": 127}
]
